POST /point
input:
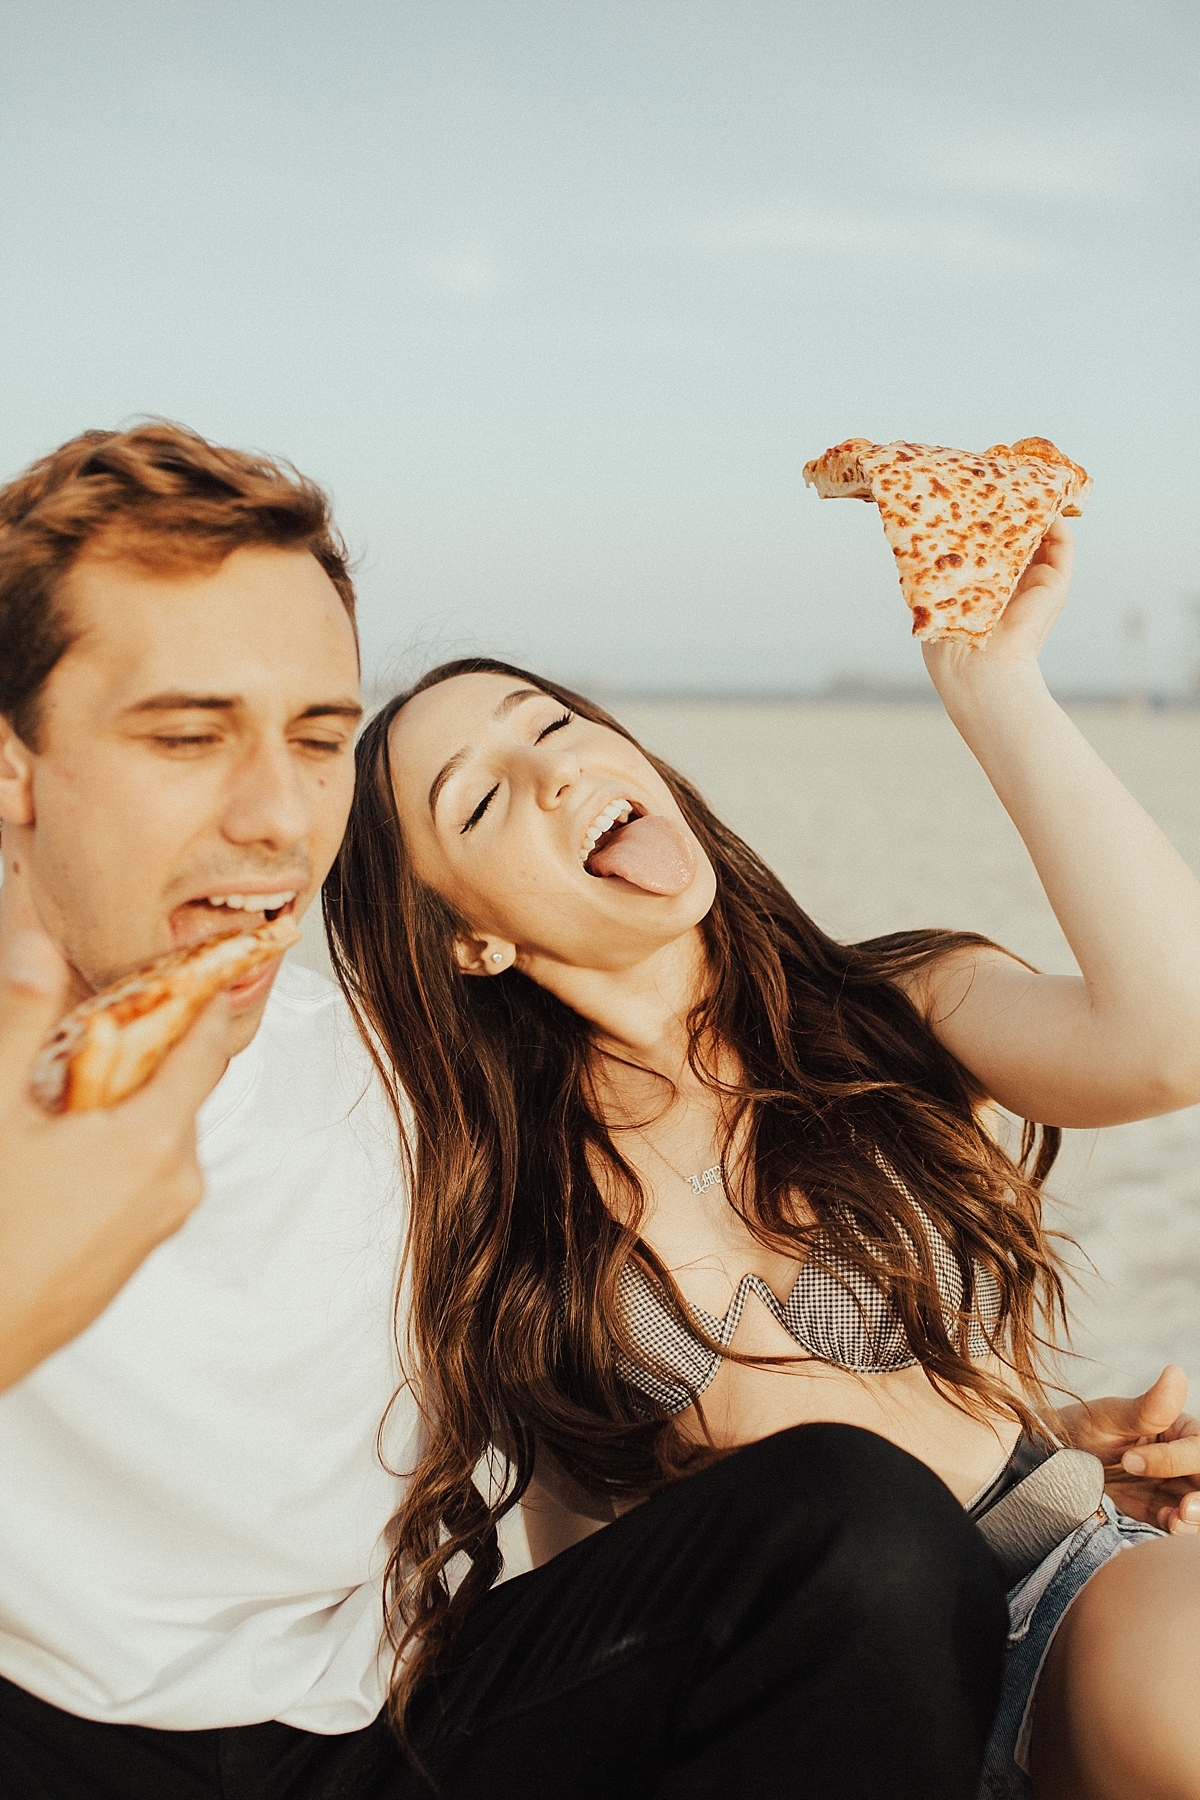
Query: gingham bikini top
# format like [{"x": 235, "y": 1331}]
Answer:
[{"x": 833, "y": 1311}]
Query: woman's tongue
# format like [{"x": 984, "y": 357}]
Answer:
[{"x": 653, "y": 853}]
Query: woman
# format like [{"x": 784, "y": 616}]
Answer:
[{"x": 689, "y": 1172}]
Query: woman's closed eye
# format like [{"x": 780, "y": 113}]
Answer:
[
  {"x": 480, "y": 809},
  {"x": 568, "y": 718}
]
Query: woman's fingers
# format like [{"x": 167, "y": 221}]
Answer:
[
  {"x": 1123, "y": 1422},
  {"x": 1179, "y": 1457},
  {"x": 1158, "y": 1414},
  {"x": 1182, "y": 1520},
  {"x": 33, "y": 986},
  {"x": 1020, "y": 633},
  {"x": 1159, "y": 1409}
]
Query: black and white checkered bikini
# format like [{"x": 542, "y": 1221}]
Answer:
[{"x": 833, "y": 1311}]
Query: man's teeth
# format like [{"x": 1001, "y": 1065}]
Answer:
[
  {"x": 617, "y": 812},
  {"x": 252, "y": 902}
]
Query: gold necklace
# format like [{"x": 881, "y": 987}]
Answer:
[{"x": 699, "y": 1184}]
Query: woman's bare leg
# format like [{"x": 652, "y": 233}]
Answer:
[{"x": 1118, "y": 1704}]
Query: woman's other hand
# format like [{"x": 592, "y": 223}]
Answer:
[
  {"x": 1150, "y": 1448},
  {"x": 85, "y": 1197}
]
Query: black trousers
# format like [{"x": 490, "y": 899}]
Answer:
[{"x": 813, "y": 1617}]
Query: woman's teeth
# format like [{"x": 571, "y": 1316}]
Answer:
[
  {"x": 617, "y": 812},
  {"x": 252, "y": 902}
]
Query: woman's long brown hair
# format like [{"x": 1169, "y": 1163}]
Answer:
[{"x": 515, "y": 1328}]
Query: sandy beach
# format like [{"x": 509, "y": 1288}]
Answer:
[{"x": 878, "y": 818}]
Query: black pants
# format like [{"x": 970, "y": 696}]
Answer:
[{"x": 813, "y": 1617}]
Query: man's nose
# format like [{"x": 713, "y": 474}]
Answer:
[{"x": 268, "y": 803}]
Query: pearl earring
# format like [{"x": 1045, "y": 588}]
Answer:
[{"x": 497, "y": 956}]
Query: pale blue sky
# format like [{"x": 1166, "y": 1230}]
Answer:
[{"x": 557, "y": 298}]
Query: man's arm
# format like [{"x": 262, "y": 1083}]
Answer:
[{"x": 85, "y": 1197}]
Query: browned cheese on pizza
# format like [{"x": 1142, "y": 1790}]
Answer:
[
  {"x": 962, "y": 527},
  {"x": 110, "y": 1045}
]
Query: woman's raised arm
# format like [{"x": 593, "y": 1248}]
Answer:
[{"x": 1123, "y": 1042}]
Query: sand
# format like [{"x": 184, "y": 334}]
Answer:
[{"x": 878, "y": 818}]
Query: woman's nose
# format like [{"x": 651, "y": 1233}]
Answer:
[{"x": 558, "y": 773}]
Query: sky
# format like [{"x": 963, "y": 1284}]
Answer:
[{"x": 557, "y": 298}]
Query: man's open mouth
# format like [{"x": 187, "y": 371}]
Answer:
[{"x": 217, "y": 914}]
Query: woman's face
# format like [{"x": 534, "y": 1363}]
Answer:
[{"x": 501, "y": 794}]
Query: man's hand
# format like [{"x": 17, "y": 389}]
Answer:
[
  {"x": 85, "y": 1197},
  {"x": 1150, "y": 1448}
]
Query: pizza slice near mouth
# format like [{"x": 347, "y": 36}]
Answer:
[
  {"x": 963, "y": 527},
  {"x": 110, "y": 1045}
]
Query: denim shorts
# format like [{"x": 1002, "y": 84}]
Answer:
[{"x": 1036, "y": 1608}]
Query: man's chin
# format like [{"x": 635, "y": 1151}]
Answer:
[{"x": 248, "y": 1001}]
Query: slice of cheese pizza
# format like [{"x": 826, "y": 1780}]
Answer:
[
  {"x": 109, "y": 1045},
  {"x": 962, "y": 527}
]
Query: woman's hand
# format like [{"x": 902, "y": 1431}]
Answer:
[
  {"x": 1123, "y": 1042},
  {"x": 86, "y": 1196},
  {"x": 1018, "y": 638},
  {"x": 1150, "y": 1448}
]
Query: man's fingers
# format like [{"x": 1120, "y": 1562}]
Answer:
[
  {"x": 191, "y": 1070},
  {"x": 33, "y": 986}
]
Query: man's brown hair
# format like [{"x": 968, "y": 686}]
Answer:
[{"x": 158, "y": 495}]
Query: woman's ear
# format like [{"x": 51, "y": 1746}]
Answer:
[{"x": 484, "y": 955}]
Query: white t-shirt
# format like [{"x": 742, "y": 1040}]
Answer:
[{"x": 191, "y": 1498}]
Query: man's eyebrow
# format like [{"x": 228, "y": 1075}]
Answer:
[
  {"x": 178, "y": 701},
  {"x": 516, "y": 698},
  {"x": 333, "y": 709}
]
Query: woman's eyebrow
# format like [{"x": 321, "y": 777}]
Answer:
[
  {"x": 442, "y": 777},
  {"x": 516, "y": 698}
]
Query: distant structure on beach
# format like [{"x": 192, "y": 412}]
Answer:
[
  {"x": 1135, "y": 691},
  {"x": 864, "y": 688}
]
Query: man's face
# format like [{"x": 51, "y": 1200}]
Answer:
[{"x": 196, "y": 744}]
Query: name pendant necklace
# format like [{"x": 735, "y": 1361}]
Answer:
[{"x": 699, "y": 1184}]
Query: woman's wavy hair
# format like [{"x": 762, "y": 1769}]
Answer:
[{"x": 516, "y": 1330}]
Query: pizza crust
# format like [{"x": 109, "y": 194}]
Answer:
[
  {"x": 963, "y": 527},
  {"x": 110, "y": 1045}
]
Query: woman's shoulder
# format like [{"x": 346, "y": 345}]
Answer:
[{"x": 938, "y": 986}]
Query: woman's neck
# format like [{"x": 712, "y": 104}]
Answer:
[{"x": 640, "y": 1012}]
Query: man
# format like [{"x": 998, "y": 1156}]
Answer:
[
  {"x": 190, "y": 1493},
  {"x": 193, "y": 1501},
  {"x": 86, "y": 1197}
]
